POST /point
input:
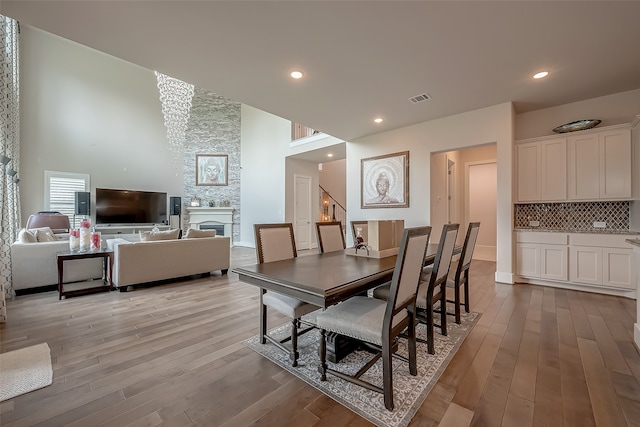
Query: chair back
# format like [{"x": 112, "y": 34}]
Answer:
[
  {"x": 442, "y": 261},
  {"x": 274, "y": 242},
  {"x": 364, "y": 225},
  {"x": 56, "y": 221},
  {"x": 406, "y": 274},
  {"x": 330, "y": 236},
  {"x": 469, "y": 246}
]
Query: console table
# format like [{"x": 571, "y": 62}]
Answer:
[{"x": 88, "y": 286}]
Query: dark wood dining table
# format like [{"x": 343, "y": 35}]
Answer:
[{"x": 325, "y": 279}]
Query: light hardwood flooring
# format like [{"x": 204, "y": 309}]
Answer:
[{"x": 171, "y": 355}]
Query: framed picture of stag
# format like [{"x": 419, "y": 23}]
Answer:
[
  {"x": 212, "y": 169},
  {"x": 384, "y": 181}
]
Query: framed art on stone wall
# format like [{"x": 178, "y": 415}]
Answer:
[
  {"x": 212, "y": 169},
  {"x": 384, "y": 181}
]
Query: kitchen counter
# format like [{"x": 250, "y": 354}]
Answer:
[
  {"x": 635, "y": 242},
  {"x": 555, "y": 230}
]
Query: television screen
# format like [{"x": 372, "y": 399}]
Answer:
[{"x": 130, "y": 207}]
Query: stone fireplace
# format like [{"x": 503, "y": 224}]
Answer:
[{"x": 208, "y": 218}]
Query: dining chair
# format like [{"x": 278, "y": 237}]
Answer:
[
  {"x": 363, "y": 225},
  {"x": 460, "y": 269},
  {"x": 375, "y": 323},
  {"x": 330, "y": 236},
  {"x": 433, "y": 284},
  {"x": 276, "y": 242}
]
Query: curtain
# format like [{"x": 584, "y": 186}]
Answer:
[{"x": 10, "y": 149}]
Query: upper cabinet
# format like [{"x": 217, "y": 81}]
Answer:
[
  {"x": 541, "y": 169},
  {"x": 589, "y": 165},
  {"x": 600, "y": 165}
]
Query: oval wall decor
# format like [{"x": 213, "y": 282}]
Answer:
[{"x": 577, "y": 125}]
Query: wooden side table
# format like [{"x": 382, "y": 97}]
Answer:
[{"x": 88, "y": 286}]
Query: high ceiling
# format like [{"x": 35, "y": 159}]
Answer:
[{"x": 363, "y": 59}]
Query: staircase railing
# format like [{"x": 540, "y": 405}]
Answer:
[{"x": 331, "y": 209}]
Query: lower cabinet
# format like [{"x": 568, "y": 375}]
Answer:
[{"x": 601, "y": 260}]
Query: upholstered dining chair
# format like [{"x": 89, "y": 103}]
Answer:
[
  {"x": 433, "y": 285},
  {"x": 56, "y": 221},
  {"x": 377, "y": 323},
  {"x": 276, "y": 242},
  {"x": 330, "y": 236},
  {"x": 460, "y": 270}
]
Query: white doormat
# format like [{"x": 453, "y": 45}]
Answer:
[{"x": 25, "y": 370}]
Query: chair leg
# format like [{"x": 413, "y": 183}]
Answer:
[
  {"x": 387, "y": 376},
  {"x": 466, "y": 291},
  {"x": 430, "y": 332},
  {"x": 263, "y": 319},
  {"x": 294, "y": 343},
  {"x": 413, "y": 364},
  {"x": 443, "y": 309},
  {"x": 323, "y": 355},
  {"x": 457, "y": 302}
]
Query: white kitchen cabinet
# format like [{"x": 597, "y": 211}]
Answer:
[
  {"x": 599, "y": 165},
  {"x": 541, "y": 255},
  {"x": 618, "y": 268},
  {"x": 528, "y": 259},
  {"x": 602, "y": 260},
  {"x": 585, "y": 265},
  {"x": 541, "y": 169},
  {"x": 553, "y": 262}
]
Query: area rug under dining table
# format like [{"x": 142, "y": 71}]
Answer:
[{"x": 409, "y": 391}]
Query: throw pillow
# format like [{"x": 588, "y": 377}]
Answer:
[
  {"x": 149, "y": 236},
  {"x": 193, "y": 233},
  {"x": 26, "y": 236},
  {"x": 43, "y": 234}
]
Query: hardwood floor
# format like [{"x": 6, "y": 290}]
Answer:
[{"x": 171, "y": 355}]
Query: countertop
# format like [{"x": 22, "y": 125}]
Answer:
[
  {"x": 634, "y": 242},
  {"x": 555, "y": 230}
]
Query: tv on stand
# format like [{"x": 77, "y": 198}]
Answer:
[{"x": 130, "y": 207}]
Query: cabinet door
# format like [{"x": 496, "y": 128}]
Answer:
[
  {"x": 615, "y": 164},
  {"x": 554, "y": 169},
  {"x": 528, "y": 172},
  {"x": 585, "y": 265},
  {"x": 528, "y": 259},
  {"x": 553, "y": 262},
  {"x": 618, "y": 268},
  {"x": 584, "y": 167}
]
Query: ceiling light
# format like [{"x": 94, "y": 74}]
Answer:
[
  {"x": 378, "y": 120},
  {"x": 329, "y": 155},
  {"x": 296, "y": 74},
  {"x": 541, "y": 74}
]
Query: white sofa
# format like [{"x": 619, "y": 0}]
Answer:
[
  {"x": 35, "y": 264},
  {"x": 151, "y": 261}
]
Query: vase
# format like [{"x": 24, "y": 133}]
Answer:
[
  {"x": 96, "y": 242},
  {"x": 74, "y": 240},
  {"x": 85, "y": 236}
]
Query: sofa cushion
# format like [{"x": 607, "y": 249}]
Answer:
[
  {"x": 44, "y": 234},
  {"x": 193, "y": 233},
  {"x": 112, "y": 243},
  {"x": 149, "y": 236},
  {"x": 26, "y": 236}
]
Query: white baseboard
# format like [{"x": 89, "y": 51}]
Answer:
[
  {"x": 625, "y": 293},
  {"x": 501, "y": 277},
  {"x": 485, "y": 253}
]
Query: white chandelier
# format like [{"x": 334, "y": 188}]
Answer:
[{"x": 176, "y": 97}]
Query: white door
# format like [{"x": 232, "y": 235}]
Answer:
[
  {"x": 482, "y": 183},
  {"x": 302, "y": 211}
]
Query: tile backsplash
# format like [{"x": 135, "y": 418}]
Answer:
[{"x": 578, "y": 216}]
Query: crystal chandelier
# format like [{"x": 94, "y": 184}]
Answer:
[{"x": 176, "y": 97}]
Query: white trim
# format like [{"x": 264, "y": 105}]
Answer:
[
  {"x": 619, "y": 292},
  {"x": 309, "y": 207},
  {"x": 502, "y": 277},
  {"x": 636, "y": 335},
  {"x": 307, "y": 139}
]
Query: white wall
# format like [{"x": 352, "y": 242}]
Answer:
[
  {"x": 488, "y": 125},
  {"x": 264, "y": 142},
  {"x": 87, "y": 112}
]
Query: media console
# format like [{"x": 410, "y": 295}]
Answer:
[{"x": 107, "y": 230}]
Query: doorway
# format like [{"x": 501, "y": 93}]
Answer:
[
  {"x": 302, "y": 211},
  {"x": 481, "y": 193}
]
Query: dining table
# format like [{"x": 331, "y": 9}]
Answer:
[{"x": 325, "y": 279}]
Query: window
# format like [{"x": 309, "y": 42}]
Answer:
[{"x": 60, "y": 191}]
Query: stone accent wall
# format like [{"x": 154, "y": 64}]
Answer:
[
  {"x": 578, "y": 216},
  {"x": 214, "y": 128}
]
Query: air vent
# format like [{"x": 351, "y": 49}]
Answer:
[{"x": 419, "y": 98}]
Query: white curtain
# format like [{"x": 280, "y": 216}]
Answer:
[{"x": 10, "y": 149}]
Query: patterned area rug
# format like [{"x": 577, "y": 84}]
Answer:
[
  {"x": 409, "y": 391},
  {"x": 25, "y": 370}
]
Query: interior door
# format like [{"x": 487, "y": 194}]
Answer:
[
  {"x": 482, "y": 183},
  {"x": 302, "y": 211}
]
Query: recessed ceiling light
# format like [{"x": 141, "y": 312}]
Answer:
[
  {"x": 296, "y": 74},
  {"x": 378, "y": 120},
  {"x": 329, "y": 155},
  {"x": 541, "y": 74}
]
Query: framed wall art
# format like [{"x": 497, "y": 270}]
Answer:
[
  {"x": 212, "y": 169},
  {"x": 384, "y": 181}
]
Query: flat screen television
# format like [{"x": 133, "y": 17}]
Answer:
[{"x": 130, "y": 207}]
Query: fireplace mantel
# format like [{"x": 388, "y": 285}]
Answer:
[{"x": 203, "y": 215}]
